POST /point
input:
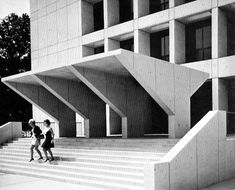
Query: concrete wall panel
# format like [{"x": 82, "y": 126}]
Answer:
[
  {"x": 34, "y": 36},
  {"x": 183, "y": 169},
  {"x": 42, "y": 32},
  {"x": 51, "y": 29},
  {"x": 62, "y": 24},
  {"x": 208, "y": 160},
  {"x": 73, "y": 20}
]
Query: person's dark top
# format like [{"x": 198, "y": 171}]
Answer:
[{"x": 36, "y": 131}]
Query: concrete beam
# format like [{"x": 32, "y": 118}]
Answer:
[
  {"x": 80, "y": 99},
  {"x": 40, "y": 97},
  {"x": 120, "y": 94}
]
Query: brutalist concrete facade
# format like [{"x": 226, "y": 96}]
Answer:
[{"x": 78, "y": 66}]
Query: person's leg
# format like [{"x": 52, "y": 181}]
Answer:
[
  {"x": 31, "y": 152},
  {"x": 39, "y": 153},
  {"x": 49, "y": 150},
  {"x": 45, "y": 152}
]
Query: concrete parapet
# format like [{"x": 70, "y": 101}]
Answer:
[
  {"x": 201, "y": 158},
  {"x": 9, "y": 131}
]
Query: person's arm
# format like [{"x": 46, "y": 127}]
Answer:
[{"x": 52, "y": 134}]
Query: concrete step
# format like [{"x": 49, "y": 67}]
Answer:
[
  {"x": 84, "y": 159},
  {"x": 104, "y": 185},
  {"x": 85, "y": 155},
  {"x": 138, "y": 175},
  {"x": 80, "y": 153},
  {"x": 114, "y": 163},
  {"x": 124, "y": 179},
  {"x": 91, "y": 151},
  {"x": 74, "y": 164}
]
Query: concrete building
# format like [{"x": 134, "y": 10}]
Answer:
[{"x": 132, "y": 68}]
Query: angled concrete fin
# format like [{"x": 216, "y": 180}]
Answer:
[{"x": 71, "y": 93}]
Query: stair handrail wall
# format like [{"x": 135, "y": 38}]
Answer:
[
  {"x": 10, "y": 131},
  {"x": 201, "y": 158}
]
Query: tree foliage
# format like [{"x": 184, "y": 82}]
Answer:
[{"x": 14, "y": 58}]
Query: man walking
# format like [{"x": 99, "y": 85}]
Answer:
[{"x": 36, "y": 131}]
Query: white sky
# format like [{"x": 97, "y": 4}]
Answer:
[{"x": 13, "y": 6}]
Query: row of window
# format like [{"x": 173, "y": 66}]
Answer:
[
  {"x": 198, "y": 43},
  {"x": 126, "y": 10}
]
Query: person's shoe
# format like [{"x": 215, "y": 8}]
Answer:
[
  {"x": 52, "y": 159},
  {"x": 40, "y": 158},
  {"x": 46, "y": 160},
  {"x": 31, "y": 160}
]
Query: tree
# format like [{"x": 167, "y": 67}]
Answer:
[{"x": 14, "y": 58}]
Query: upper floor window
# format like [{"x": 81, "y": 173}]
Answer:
[
  {"x": 158, "y": 5},
  {"x": 198, "y": 41},
  {"x": 159, "y": 45}
]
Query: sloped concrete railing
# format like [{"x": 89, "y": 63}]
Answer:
[
  {"x": 202, "y": 157},
  {"x": 9, "y": 131}
]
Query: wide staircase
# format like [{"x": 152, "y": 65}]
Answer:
[{"x": 110, "y": 163}]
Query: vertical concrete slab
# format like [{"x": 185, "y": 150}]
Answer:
[
  {"x": 183, "y": 168},
  {"x": 111, "y": 13},
  {"x": 177, "y": 39},
  {"x": 219, "y": 94},
  {"x": 219, "y": 33},
  {"x": 73, "y": 20},
  {"x": 156, "y": 176},
  {"x": 141, "y": 8},
  {"x": 207, "y": 154},
  {"x": 87, "y": 17},
  {"x": 141, "y": 42}
]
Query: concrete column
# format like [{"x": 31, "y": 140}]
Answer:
[
  {"x": 177, "y": 42},
  {"x": 219, "y": 33},
  {"x": 141, "y": 42},
  {"x": 87, "y": 17},
  {"x": 220, "y": 94},
  {"x": 141, "y": 8},
  {"x": 111, "y": 13},
  {"x": 177, "y": 2},
  {"x": 110, "y": 44},
  {"x": 113, "y": 120},
  {"x": 86, "y": 51}
]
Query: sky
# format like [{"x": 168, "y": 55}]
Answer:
[{"x": 13, "y": 6}]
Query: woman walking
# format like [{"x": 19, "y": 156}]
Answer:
[
  {"x": 36, "y": 131},
  {"x": 49, "y": 140}
]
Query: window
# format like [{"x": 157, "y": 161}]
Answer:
[
  {"x": 165, "y": 48},
  {"x": 98, "y": 16},
  {"x": 99, "y": 50},
  {"x": 203, "y": 43},
  {"x": 164, "y": 4},
  {"x": 198, "y": 41},
  {"x": 158, "y": 5},
  {"x": 125, "y": 10},
  {"x": 159, "y": 45},
  {"x": 127, "y": 44}
]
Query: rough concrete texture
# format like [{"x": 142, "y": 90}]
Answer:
[
  {"x": 10, "y": 131},
  {"x": 204, "y": 151}
]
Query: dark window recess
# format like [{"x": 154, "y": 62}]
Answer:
[
  {"x": 158, "y": 5},
  {"x": 159, "y": 45},
  {"x": 98, "y": 16},
  {"x": 125, "y": 10},
  {"x": 198, "y": 41},
  {"x": 230, "y": 34},
  {"x": 201, "y": 102},
  {"x": 99, "y": 50},
  {"x": 127, "y": 44},
  {"x": 188, "y": 1}
]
